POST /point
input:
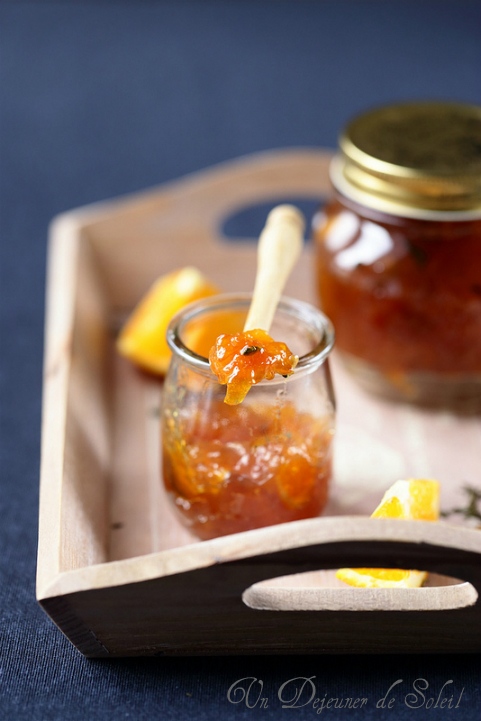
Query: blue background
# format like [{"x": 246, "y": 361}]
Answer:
[{"x": 99, "y": 99}]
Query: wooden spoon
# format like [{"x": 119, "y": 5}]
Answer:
[{"x": 280, "y": 245}]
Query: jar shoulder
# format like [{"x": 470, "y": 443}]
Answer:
[
  {"x": 349, "y": 217},
  {"x": 355, "y": 236}
]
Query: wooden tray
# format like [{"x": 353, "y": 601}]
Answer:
[{"x": 116, "y": 571}]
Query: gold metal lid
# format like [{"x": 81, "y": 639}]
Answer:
[{"x": 414, "y": 159}]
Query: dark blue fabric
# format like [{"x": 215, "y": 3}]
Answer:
[{"x": 100, "y": 99}]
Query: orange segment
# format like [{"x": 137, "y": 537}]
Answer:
[
  {"x": 381, "y": 577},
  {"x": 142, "y": 339},
  {"x": 415, "y": 499},
  {"x": 391, "y": 508}
]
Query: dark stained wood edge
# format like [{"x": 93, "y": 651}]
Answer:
[
  {"x": 62, "y": 614},
  {"x": 201, "y": 612}
]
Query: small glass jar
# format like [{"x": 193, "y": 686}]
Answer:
[
  {"x": 265, "y": 461},
  {"x": 399, "y": 252}
]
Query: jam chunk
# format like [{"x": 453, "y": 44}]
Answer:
[{"x": 245, "y": 359}]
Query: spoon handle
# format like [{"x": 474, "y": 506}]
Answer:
[{"x": 280, "y": 245}]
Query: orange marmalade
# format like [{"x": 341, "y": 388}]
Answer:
[
  {"x": 415, "y": 303},
  {"x": 262, "y": 461},
  {"x": 244, "y": 467},
  {"x": 243, "y": 360}
]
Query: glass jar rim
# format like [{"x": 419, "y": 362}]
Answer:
[{"x": 297, "y": 308}]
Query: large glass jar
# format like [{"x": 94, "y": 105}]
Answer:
[
  {"x": 399, "y": 252},
  {"x": 266, "y": 460}
]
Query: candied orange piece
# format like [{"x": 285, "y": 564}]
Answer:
[
  {"x": 295, "y": 479},
  {"x": 142, "y": 339},
  {"x": 245, "y": 359},
  {"x": 414, "y": 499}
]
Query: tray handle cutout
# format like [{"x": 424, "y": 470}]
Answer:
[
  {"x": 299, "y": 585},
  {"x": 183, "y": 221},
  {"x": 322, "y": 591}
]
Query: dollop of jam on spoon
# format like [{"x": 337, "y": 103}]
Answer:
[{"x": 246, "y": 359}]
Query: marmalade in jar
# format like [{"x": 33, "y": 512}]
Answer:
[
  {"x": 266, "y": 460},
  {"x": 399, "y": 252},
  {"x": 230, "y": 471}
]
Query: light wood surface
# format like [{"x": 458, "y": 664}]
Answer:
[{"x": 117, "y": 571}]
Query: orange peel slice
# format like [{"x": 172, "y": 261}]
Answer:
[
  {"x": 414, "y": 499},
  {"x": 142, "y": 339}
]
